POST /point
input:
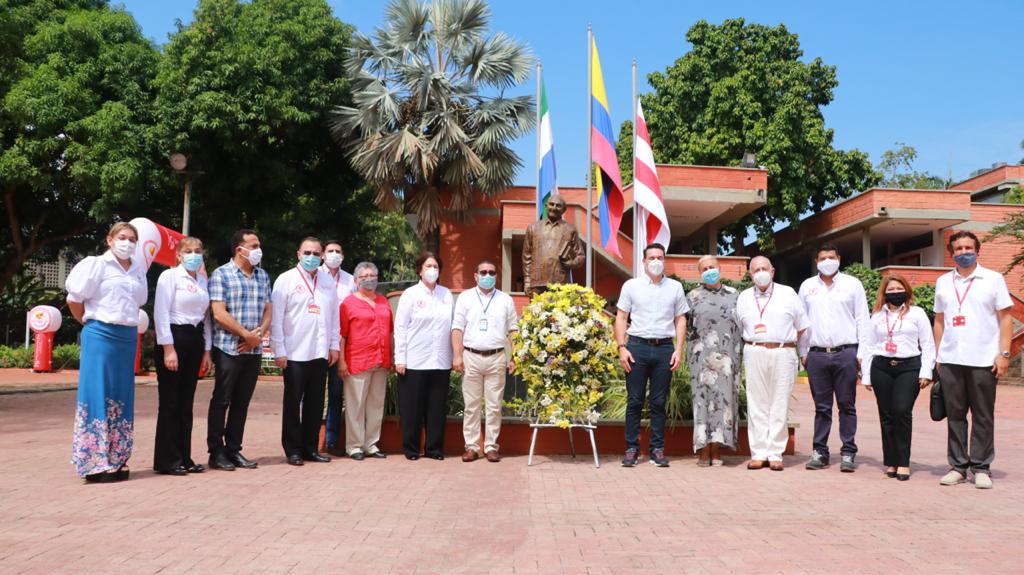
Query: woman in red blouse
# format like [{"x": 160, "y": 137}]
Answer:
[{"x": 366, "y": 339}]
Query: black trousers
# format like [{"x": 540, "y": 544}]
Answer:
[
  {"x": 423, "y": 402},
  {"x": 834, "y": 375},
  {"x": 232, "y": 390},
  {"x": 303, "y": 409},
  {"x": 177, "y": 391},
  {"x": 967, "y": 388},
  {"x": 896, "y": 389}
]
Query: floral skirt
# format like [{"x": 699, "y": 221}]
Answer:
[{"x": 104, "y": 419}]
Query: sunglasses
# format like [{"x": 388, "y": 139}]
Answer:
[{"x": 487, "y": 272}]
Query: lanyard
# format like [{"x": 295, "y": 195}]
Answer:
[
  {"x": 760, "y": 310},
  {"x": 480, "y": 299},
  {"x": 960, "y": 300},
  {"x": 893, "y": 327},
  {"x": 312, "y": 290}
]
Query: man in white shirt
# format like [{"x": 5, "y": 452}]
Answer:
[
  {"x": 304, "y": 334},
  {"x": 772, "y": 318},
  {"x": 650, "y": 349},
  {"x": 484, "y": 319},
  {"x": 346, "y": 284},
  {"x": 973, "y": 327},
  {"x": 831, "y": 350}
]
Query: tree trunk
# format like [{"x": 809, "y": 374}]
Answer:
[{"x": 432, "y": 241}]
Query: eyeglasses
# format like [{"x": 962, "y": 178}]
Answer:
[
  {"x": 364, "y": 277},
  {"x": 311, "y": 253},
  {"x": 487, "y": 272}
]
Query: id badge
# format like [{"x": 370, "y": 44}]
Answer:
[
  {"x": 959, "y": 321},
  {"x": 760, "y": 328},
  {"x": 890, "y": 347},
  {"x": 313, "y": 308},
  {"x": 483, "y": 324}
]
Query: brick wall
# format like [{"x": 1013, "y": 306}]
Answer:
[{"x": 991, "y": 178}]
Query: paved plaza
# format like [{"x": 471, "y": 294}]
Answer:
[{"x": 559, "y": 516}]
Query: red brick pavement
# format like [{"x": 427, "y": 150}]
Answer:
[{"x": 396, "y": 516}]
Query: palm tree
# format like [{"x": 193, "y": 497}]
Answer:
[{"x": 430, "y": 114}]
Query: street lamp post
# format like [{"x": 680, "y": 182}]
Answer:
[{"x": 179, "y": 162}]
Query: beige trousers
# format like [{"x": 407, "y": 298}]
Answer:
[
  {"x": 364, "y": 410},
  {"x": 483, "y": 382},
  {"x": 770, "y": 377}
]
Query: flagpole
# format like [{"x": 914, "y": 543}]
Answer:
[
  {"x": 540, "y": 208},
  {"x": 590, "y": 153},
  {"x": 637, "y": 247}
]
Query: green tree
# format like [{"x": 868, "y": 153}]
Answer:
[
  {"x": 245, "y": 91},
  {"x": 624, "y": 151},
  {"x": 430, "y": 115},
  {"x": 747, "y": 88},
  {"x": 897, "y": 168},
  {"x": 75, "y": 125}
]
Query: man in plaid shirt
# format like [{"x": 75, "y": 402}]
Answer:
[{"x": 240, "y": 301}]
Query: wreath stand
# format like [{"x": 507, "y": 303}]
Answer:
[{"x": 572, "y": 446}]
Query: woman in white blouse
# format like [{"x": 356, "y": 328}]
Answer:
[
  {"x": 181, "y": 315},
  {"x": 423, "y": 359},
  {"x": 898, "y": 365},
  {"x": 105, "y": 293}
]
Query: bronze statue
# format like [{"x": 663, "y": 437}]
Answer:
[{"x": 552, "y": 248}]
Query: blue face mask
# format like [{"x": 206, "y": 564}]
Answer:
[
  {"x": 966, "y": 259},
  {"x": 368, "y": 285},
  {"x": 487, "y": 282},
  {"x": 192, "y": 262},
  {"x": 310, "y": 262},
  {"x": 711, "y": 276}
]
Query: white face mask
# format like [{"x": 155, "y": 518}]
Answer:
[
  {"x": 762, "y": 278},
  {"x": 333, "y": 260},
  {"x": 123, "y": 249},
  {"x": 828, "y": 267},
  {"x": 655, "y": 267},
  {"x": 255, "y": 256},
  {"x": 430, "y": 275}
]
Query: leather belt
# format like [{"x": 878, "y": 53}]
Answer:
[
  {"x": 771, "y": 344},
  {"x": 895, "y": 361},
  {"x": 650, "y": 341},
  {"x": 483, "y": 352},
  {"x": 835, "y": 349}
]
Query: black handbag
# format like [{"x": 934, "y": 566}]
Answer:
[{"x": 938, "y": 403}]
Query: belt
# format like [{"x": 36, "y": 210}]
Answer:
[
  {"x": 771, "y": 344},
  {"x": 894, "y": 361},
  {"x": 835, "y": 349},
  {"x": 483, "y": 352},
  {"x": 650, "y": 341}
]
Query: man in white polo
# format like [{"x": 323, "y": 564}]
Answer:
[
  {"x": 772, "y": 319},
  {"x": 972, "y": 333}
]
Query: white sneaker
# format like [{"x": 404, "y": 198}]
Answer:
[
  {"x": 982, "y": 481},
  {"x": 954, "y": 477}
]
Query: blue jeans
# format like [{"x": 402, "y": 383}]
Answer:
[
  {"x": 651, "y": 363},
  {"x": 334, "y": 401}
]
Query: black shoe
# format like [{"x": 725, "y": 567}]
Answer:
[
  {"x": 179, "y": 470},
  {"x": 335, "y": 450},
  {"x": 436, "y": 456},
  {"x": 221, "y": 461},
  {"x": 241, "y": 461},
  {"x": 108, "y": 477},
  {"x": 317, "y": 458},
  {"x": 890, "y": 474},
  {"x": 358, "y": 455},
  {"x": 412, "y": 457},
  {"x": 122, "y": 473},
  {"x": 295, "y": 459},
  {"x": 195, "y": 468},
  {"x": 902, "y": 476},
  {"x": 378, "y": 455}
]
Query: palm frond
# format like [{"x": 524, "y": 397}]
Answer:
[{"x": 499, "y": 61}]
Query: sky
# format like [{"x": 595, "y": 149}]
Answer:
[{"x": 942, "y": 76}]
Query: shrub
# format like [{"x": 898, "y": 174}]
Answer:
[{"x": 19, "y": 357}]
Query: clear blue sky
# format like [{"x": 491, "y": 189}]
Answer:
[{"x": 942, "y": 76}]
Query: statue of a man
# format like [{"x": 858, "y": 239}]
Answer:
[{"x": 552, "y": 248}]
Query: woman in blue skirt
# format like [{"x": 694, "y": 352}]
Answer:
[{"x": 104, "y": 294}]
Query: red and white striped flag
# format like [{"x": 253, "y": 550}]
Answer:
[{"x": 650, "y": 209}]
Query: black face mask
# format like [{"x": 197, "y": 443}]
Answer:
[{"x": 896, "y": 298}]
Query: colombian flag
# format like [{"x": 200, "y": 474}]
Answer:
[{"x": 606, "y": 163}]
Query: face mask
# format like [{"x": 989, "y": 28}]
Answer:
[
  {"x": 430, "y": 275},
  {"x": 486, "y": 282},
  {"x": 192, "y": 261},
  {"x": 124, "y": 249},
  {"x": 309, "y": 262},
  {"x": 966, "y": 259},
  {"x": 896, "y": 298},
  {"x": 655, "y": 267},
  {"x": 255, "y": 256},
  {"x": 368, "y": 285},
  {"x": 333, "y": 260},
  {"x": 828, "y": 267},
  {"x": 711, "y": 276},
  {"x": 762, "y": 278}
]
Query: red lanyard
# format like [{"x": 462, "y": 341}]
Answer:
[
  {"x": 760, "y": 310},
  {"x": 960, "y": 300},
  {"x": 893, "y": 327},
  {"x": 312, "y": 290}
]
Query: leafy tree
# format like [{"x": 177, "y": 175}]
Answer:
[
  {"x": 245, "y": 92},
  {"x": 75, "y": 125},
  {"x": 430, "y": 116},
  {"x": 746, "y": 88},
  {"x": 897, "y": 168},
  {"x": 624, "y": 151},
  {"x": 924, "y": 294},
  {"x": 1014, "y": 196}
]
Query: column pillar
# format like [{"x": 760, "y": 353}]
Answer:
[{"x": 865, "y": 247}]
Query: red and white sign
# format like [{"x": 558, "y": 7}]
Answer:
[
  {"x": 44, "y": 319},
  {"x": 156, "y": 243}
]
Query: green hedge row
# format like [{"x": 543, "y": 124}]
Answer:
[{"x": 64, "y": 357}]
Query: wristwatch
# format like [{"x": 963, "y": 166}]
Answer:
[{"x": 1005, "y": 354}]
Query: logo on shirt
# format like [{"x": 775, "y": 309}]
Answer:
[
  {"x": 299, "y": 288},
  {"x": 422, "y": 303},
  {"x": 191, "y": 287}
]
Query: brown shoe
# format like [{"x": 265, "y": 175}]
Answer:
[
  {"x": 755, "y": 464},
  {"x": 470, "y": 455},
  {"x": 492, "y": 456},
  {"x": 776, "y": 466}
]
